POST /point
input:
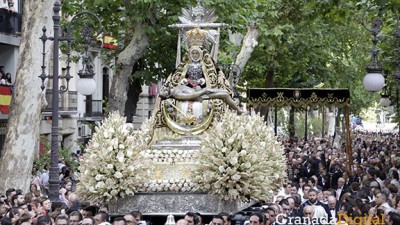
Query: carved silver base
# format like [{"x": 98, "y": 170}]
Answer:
[{"x": 176, "y": 204}]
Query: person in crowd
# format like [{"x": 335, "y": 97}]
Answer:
[
  {"x": 284, "y": 203},
  {"x": 4, "y": 209},
  {"x": 294, "y": 188},
  {"x": 308, "y": 212},
  {"x": 9, "y": 193},
  {"x": 90, "y": 221},
  {"x": 5, "y": 221},
  {"x": 302, "y": 182},
  {"x": 6, "y": 79},
  {"x": 62, "y": 220},
  {"x": 392, "y": 218},
  {"x": 136, "y": 217},
  {"x": 44, "y": 180},
  {"x": 17, "y": 200},
  {"x": 101, "y": 217},
  {"x": 334, "y": 206},
  {"x": 182, "y": 222},
  {"x": 192, "y": 218},
  {"x": 74, "y": 202},
  {"x": 270, "y": 213},
  {"x": 25, "y": 219},
  {"x": 45, "y": 204},
  {"x": 75, "y": 217},
  {"x": 89, "y": 211},
  {"x": 44, "y": 220},
  {"x": 306, "y": 188},
  {"x": 227, "y": 219},
  {"x": 256, "y": 219},
  {"x": 200, "y": 219},
  {"x": 319, "y": 206},
  {"x": 217, "y": 220},
  {"x": 35, "y": 190},
  {"x": 340, "y": 190},
  {"x": 130, "y": 219},
  {"x": 14, "y": 214},
  {"x": 382, "y": 201},
  {"x": 117, "y": 221},
  {"x": 297, "y": 210}
]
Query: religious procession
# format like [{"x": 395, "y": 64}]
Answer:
[{"x": 207, "y": 150}]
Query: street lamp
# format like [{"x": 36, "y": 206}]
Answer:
[
  {"x": 374, "y": 80},
  {"x": 84, "y": 86},
  {"x": 385, "y": 98},
  {"x": 376, "y": 67}
]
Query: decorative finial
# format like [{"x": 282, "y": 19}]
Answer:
[{"x": 198, "y": 12}]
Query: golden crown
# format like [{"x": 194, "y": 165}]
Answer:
[{"x": 196, "y": 37}]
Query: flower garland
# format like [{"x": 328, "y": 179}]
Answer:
[
  {"x": 240, "y": 159},
  {"x": 113, "y": 165}
]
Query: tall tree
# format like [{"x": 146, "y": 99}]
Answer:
[
  {"x": 141, "y": 28},
  {"x": 23, "y": 124}
]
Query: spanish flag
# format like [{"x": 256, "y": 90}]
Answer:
[
  {"x": 5, "y": 99},
  {"x": 110, "y": 42}
]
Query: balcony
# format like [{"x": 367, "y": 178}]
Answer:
[
  {"x": 94, "y": 109},
  {"x": 68, "y": 104},
  {"x": 10, "y": 22}
]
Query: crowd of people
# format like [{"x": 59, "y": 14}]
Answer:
[{"x": 319, "y": 190}]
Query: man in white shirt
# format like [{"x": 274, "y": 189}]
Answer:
[{"x": 44, "y": 178}]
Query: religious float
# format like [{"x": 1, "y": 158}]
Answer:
[{"x": 198, "y": 152}]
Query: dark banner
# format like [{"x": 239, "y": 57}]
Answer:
[{"x": 297, "y": 97}]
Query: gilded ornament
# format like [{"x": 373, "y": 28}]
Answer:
[{"x": 314, "y": 97}]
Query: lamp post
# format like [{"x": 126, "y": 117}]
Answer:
[
  {"x": 375, "y": 68},
  {"x": 86, "y": 81},
  {"x": 374, "y": 80},
  {"x": 385, "y": 98}
]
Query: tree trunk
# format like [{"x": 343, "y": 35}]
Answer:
[
  {"x": 23, "y": 124},
  {"x": 269, "y": 83},
  {"x": 250, "y": 41},
  {"x": 135, "y": 88},
  {"x": 126, "y": 60},
  {"x": 269, "y": 78}
]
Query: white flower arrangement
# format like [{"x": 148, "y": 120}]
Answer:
[
  {"x": 170, "y": 155},
  {"x": 171, "y": 185},
  {"x": 113, "y": 165},
  {"x": 240, "y": 159}
]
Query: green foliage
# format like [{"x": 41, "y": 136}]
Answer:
[
  {"x": 42, "y": 161},
  {"x": 302, "y": 43},
  {"x": 44, "y": 157}
]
